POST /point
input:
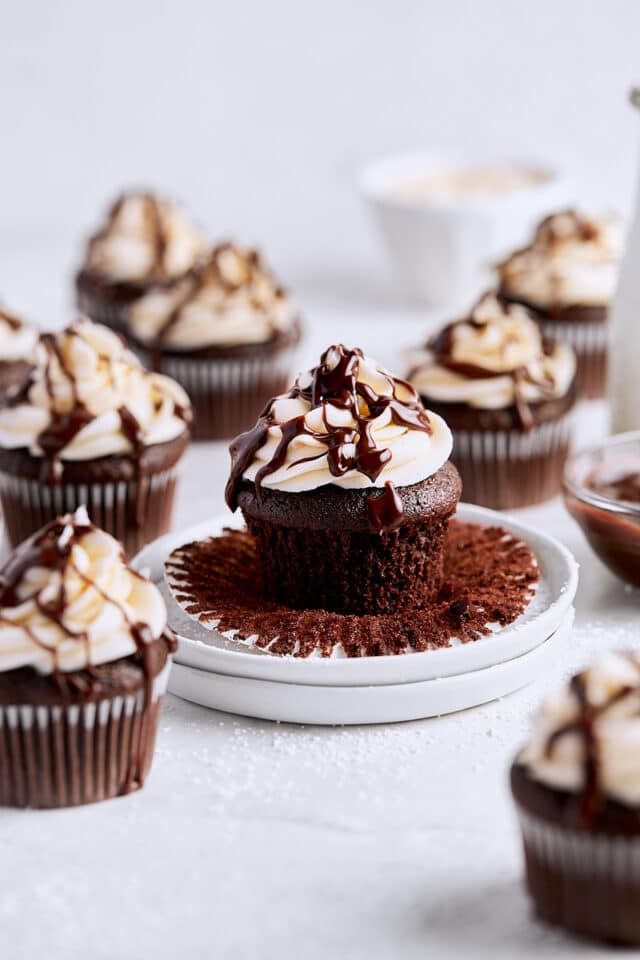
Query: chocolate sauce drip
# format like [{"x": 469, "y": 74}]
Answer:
[
  {"x": 385, "y": 512},
  {"x": 13, "y": 322},
  {"x": 64, "y": 427},
  {"x": 347, "y": 447},
  {"x": 52, "y": 549},
  {"x": 585, "y": 727},
  {"x": 209, "y": 273},
  {"x": 155, "y": 224},
  {"x": 442, "y": 344}
]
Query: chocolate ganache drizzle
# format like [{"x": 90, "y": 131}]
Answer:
[
  {"x": 349, "y": 409},
  {"x": 587, "y": 737},
  {"x": 52, "y": 549},
  {"x": 491, "y": 311},
  {"x": 71, "y": 388}
]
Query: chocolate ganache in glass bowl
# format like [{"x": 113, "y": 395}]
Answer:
[{"x": 602, "y": 492}]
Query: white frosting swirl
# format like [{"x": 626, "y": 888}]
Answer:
[
  {"x": 231, "y": 299},
  {"x": 573, "y": 261},
  {"x": 17, "y": 339},
  {"x": 145, "y": 238},
  {"x": 102, "y": 600},
  {"x": 503, "y": 341},
  {"x": 88, "y": 366},
  {"x": 415, "y": 453},
  {"x": 612, "y": 686}
]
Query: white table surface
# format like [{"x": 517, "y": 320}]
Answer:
[{"x": 253, "y": 839}]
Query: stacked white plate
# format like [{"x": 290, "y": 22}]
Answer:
[{"x": 216, "y": 671}]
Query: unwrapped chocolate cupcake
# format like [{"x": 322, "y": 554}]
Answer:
[
  {"x": 227, "y": 332},
  {"x": 507, "y": 394},
  {"x": 577, "y": 790},
  {"x": 346, "y": 485},
  {"x": 84, "y": 661},
  {"x": 91, "y": 427},
  {"x": 568, "y": 276},
  {"x": 146, "y": 241},
  {"x": 17, "y": 345}
]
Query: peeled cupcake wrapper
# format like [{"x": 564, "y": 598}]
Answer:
[
  {"x": 28, "y": 505},
  {"x": 228, "y": 394},
  {"x": 55, "y": 756},
  {"x": 590, "y": 341},
  {"x": 512, "y": 468},
  {"x": 586, "y": 881}
]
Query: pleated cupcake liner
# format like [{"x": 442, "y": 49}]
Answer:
[
  {"x": 134, "y": 512},
  {"x": 590, "y": 341},
  {"x": 587, "y": 882},
  {"x": 507, "y": 469},
  {"x": 62, "y": 756},
  {"x": 228, "y": 395}
]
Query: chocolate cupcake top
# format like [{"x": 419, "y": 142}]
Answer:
[
  {"x": 145, "y": 239},
  {"x": 87, "y": 396},
  {"x": 231, "y": 298},
  {"x": 17, "y": 338},
  {"x": 68, "y": 601},
  {"x": 587, "y": 737},
  {"x": 347, "y": 422},
  {"x": 572, "y": 261},
  {"x": 492, "y": 359}
]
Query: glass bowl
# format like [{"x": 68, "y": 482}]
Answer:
[{"x": 596, "y": 499}]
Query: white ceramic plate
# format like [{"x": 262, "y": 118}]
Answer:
[
  {"x": 206, "y": 649},
  {"x": 382, "y": 703}
]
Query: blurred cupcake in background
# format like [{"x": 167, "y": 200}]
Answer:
[
  {"x": 507, "y": 395},
  {"x": 576, "y": 786},
  {"x": 17, "y": 345},
  {"x": 568, "y": 277},
  {"x": 91, "y": 427},
  {"x": 226, "y": 331},
  {"x": 84, "y": 661},
  {"x": 146, "y": 241}
]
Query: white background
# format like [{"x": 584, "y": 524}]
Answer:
[
  {"x": 253, "y": 840},
  {"x": 259, "y": 114}
]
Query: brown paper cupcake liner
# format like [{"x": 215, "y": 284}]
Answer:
[
  {"x": 507, "y": 469},
  {"x": 489, "y": 578},
  {"x": 54, "y": 756},
  {"x": 590, "y": 341},
  {"x": 227, "y": 395},
  {"x": 584, "y": 881},
  {"x": 134, "y": 512}
]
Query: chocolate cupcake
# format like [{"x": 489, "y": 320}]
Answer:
[
  {"x": 91, "y": 427},
  {"x": 17, "y": 344},
  {"x": 84, "y": 662},
  {"x": 226, "y": 331},
  {"x": 146, "y": 242},
  {"x": 577, "y": 791},
  {"x": 507, "y": 394},
  {"x": 568, "y": 276},
  {"x": 345, "y": 484}
]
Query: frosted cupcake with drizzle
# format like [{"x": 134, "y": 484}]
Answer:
[
  {"x": 84, "y": 660},
  {"x": 145, "y": 241},
  {"x": 17, "y": 344},
  {"x": 346, "y": 484},
  {"x": 576, "y": 785},
  {"x": 507, "y": 394},
  {"x": 567, "y": 277},
  {"x": 227, "y": 331},
  {"x": 91, "y": 427}
]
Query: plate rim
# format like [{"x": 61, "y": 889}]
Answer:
[{"x": 442, "y": 662}]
